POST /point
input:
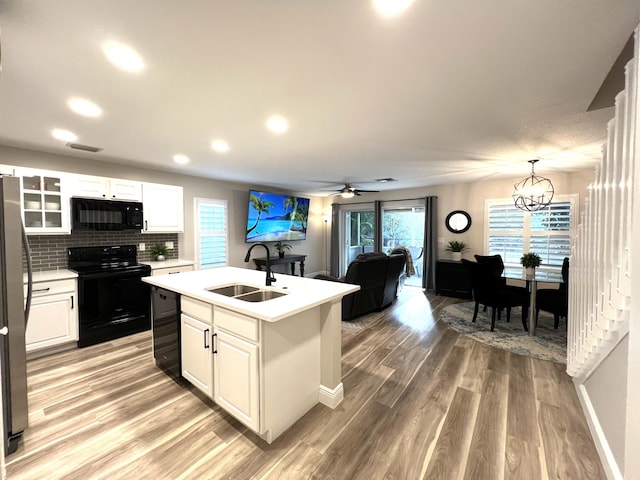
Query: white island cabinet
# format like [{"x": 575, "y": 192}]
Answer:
[
  {"x": 266, "y": 363},
  {"x": 195, "y": 344}
]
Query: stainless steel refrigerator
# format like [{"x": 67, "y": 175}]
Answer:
[{"x": 13, "y": 313}]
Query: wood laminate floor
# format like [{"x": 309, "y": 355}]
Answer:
[{"x": 421, "y": 402}]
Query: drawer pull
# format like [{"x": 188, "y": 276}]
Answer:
[
  {"x": 37, "y": 290},
  {"x": 206, "y": 336}
]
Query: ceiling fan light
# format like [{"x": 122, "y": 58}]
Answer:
[{"x": 347, "y": 194}]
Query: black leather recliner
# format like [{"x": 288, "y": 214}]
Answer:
[{"x": 378, "y": 275}]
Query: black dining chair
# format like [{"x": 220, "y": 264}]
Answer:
[
  {"x": 497, "y": 267},
  {"x": 489, "y": 290},
  {"x": 554, "y": 300}
]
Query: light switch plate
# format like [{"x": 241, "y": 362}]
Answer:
[
  {"x": 169, "y": 245},
  {"x": 141, "y": 247}
]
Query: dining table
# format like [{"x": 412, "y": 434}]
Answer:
[{"x": 532, "y": 281}]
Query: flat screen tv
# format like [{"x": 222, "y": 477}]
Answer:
[{"x": 276, "y": 216}]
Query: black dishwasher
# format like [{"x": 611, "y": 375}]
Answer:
[{"x": 166, "y": 330}]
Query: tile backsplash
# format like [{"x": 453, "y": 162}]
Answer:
[{"x": 49, "y": 252}]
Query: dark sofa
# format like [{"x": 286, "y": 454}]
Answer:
[{"x": 378, "y": 275}]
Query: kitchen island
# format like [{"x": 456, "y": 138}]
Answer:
[{"x": 265, "y": 362}]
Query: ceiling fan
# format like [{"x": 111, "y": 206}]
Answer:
[{"x": 349, "y": 191}]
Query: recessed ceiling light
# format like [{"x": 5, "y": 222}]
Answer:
[
  {"x": 64, "y": 135},
  {"x": 84, "y": 107},
  {"x": 277, "y": 124},
  {"x": 123, "y": 56},
  {"x": 391, "y": 8},
  {"x": 181, "y": 159},
  {"x": 220, "y": 146}
]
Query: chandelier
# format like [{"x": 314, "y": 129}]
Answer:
[{"x": 534, "y": 192}]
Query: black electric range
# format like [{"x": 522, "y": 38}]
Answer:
[{"x": 113, "y": 300}]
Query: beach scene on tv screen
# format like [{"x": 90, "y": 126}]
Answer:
[{"x": 274, "y": 216}]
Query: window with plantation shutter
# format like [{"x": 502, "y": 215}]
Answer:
[
  {"x": 211, "y": 233},
  {"x": 511, "y": 232}
]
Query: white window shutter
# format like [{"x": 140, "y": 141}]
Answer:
[{"x": 211, "y": 233}]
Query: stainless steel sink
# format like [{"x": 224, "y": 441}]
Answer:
[
  {"x": 260, "y": 296},
  {"x": 247, "y": 293},
  {"x": 233, "y": 290}
]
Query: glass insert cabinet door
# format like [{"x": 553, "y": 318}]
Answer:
[{"x": 43, "y": 203}]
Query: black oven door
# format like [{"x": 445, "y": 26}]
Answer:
[{"x": 112, "y": 305}]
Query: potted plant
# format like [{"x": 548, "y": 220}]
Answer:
[
  {"x": 158, "y": 252},
  {"x": 456, "y": 248},
  {"x": 529, "y": 262},
  {"x": 281, "y": 247}
]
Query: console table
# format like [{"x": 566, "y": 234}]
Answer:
[
  {"x": 452, "y": 279},
  {"x": 291, "y": 259}
]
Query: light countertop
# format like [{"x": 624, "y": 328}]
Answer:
[
  {"x": 51, "y": 275},
  {"x": 172, "y": 263},
  {"x": 302, "y": 293}
]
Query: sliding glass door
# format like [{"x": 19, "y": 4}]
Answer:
[
  {"x": 403, "y": 226},
  {"x": 357, "y": 227}
]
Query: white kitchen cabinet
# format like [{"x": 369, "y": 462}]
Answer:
[
  {"x": 6, "y": 170},
  {"x": 195, "y": 344},
  {"x": 163, "y": 208},
  {"x": 236, "y": 385},
  {"x": 53, "y": 319},
  {"x": 172, "y": 270},
  {"x": 103, "y": 187},
  {"x": 45, "y": 202}
]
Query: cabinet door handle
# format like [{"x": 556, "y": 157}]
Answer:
[
  {"x": 146, "y": 227},
  {"x": 37, "y": 290},
  {"x": 206, "y": 337},
  {"x": 214, "y": 343},
  {"x": 71, "y": 302}
]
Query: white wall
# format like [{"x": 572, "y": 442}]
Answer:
[
  {"x": 237, "y": 196},
  {"x": 471, "y": 197}
]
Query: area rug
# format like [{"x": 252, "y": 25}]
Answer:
[
  {"x": 358, "y": 324},
  {"x": 548, "y": 343}
]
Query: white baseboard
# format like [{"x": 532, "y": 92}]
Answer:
[
  {"x": 331, "y": 397},
  {"x": 599, "y": 439}
]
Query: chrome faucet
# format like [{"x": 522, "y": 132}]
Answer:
[{"x": 270, "y": 277}]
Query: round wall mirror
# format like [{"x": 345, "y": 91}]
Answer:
[{"x": 458, "y": 221}]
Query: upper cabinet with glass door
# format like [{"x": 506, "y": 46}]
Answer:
[{"x": 44, "y": 202}]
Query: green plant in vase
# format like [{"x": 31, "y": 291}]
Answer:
[
  {"x": 281, "y": 247},
  {"x": 529, "y": 262},
  {"x": 159, "y": 252},
  {"x": 456, "y": 248}
]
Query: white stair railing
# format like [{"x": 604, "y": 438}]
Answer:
[{"x": 600, "y": 278}]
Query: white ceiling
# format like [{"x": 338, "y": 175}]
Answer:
[{"x": 450, "y": 91}]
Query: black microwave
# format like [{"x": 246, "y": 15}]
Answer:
[{"x": 97, "y": 214}]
